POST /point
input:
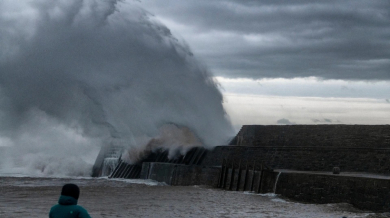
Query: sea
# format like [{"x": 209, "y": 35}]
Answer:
[{"x": 25, "y": 196}]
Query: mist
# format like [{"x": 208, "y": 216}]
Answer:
[{"x": 77, "y": 74}]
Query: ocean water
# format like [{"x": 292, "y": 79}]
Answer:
[{"x": 23, "y": 196}]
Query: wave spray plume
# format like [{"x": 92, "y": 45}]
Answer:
[{"x": 79, "y": 74}]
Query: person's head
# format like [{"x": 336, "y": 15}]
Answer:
[{"x": 71, "y": 190}]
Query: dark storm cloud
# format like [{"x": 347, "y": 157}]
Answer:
[{"x": 256, "y": 39}]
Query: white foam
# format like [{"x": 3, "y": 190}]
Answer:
[{"x": 139, "y": 181}]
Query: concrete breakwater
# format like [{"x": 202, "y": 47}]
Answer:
[
  {"x": 302, "y": 159},
  {"x": 366, "y": 159},
  {"x": 337, "y": 136},
  {"x": 181, "y": 175},
  {"x": 367, "y": 192}
]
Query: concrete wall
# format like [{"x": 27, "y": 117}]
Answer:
[
  {"x": 363, "y": 193},
  {"x": 341, "y": 136},
  {"x": 300, "y": 147},
  {"x": 366, "y": 193},
  {"x": 306, "y": 158},
  {"x": 249, "y": 181},
  {"x": 180, "y": 175}
]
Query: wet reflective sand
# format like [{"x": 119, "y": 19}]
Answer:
[{"x": 33, "y": 197}]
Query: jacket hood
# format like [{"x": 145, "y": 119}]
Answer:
[{"x": 67, "y": 200}]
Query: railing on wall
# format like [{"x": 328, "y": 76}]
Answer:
[{"x": 235, "y": 176}]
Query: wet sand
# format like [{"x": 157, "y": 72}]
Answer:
[{"x": 33, "y": 197}]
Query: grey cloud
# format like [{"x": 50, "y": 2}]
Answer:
[
  {"x": 327, "y": 39},
  {"x": 387, "y": 100}
]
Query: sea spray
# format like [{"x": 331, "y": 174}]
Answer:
[
  {"x": 276, "y": 182},
  {"x": 79, "y": 74}
]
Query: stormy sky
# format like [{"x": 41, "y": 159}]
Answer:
[
  {"x": 258, "y": 39},
  {"x": 289, "y": 50}
]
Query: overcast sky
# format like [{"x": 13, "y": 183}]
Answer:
[
  {"x": 336, "y": 49},
  {"x": 257, "y": 39}
]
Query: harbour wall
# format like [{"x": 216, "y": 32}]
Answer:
[
  {"x": 362, "y": 191},
  {"x": 339, "y": 136},
  {"x": 180, "y": 174},
  {"x": 349, "y": 159},
  {"x": 302, "y": 158}
]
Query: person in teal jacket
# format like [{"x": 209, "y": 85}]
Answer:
[{"x": 67, "y": 204}]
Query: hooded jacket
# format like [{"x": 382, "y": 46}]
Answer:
[{"x": 67, "y": 208}]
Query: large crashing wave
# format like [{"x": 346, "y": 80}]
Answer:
[{"x": 74, "y": 74}]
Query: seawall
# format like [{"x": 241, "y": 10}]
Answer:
[
  {"x": 363, "y": 191},
  {"x": 351, "y": 159},
  {"x": 339, "y": 136},
  {"x": 367, "y": 192},
  {"x": 180, "y": 175},
  {"x": 304, "y": 154}
]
